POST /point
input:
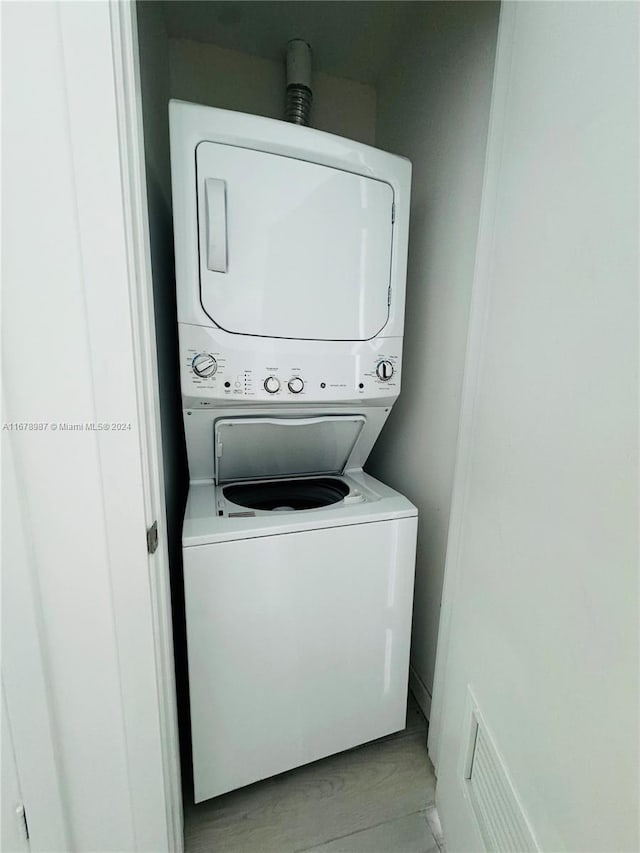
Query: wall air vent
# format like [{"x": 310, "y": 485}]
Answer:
[{"x": 501, "y": 820}]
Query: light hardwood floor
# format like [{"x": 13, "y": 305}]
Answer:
[{"x": 378, "y": 798}]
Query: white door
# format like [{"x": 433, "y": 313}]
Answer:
[
  {"x": 86, "y": 648},
  {"x": 290, "y": 249}
]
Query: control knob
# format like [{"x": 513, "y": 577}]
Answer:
[
  {"x": 296, "y": 385},
  {"x": 204, "y": 365},
  {"x": 384, "y": 370},
  {"x": 272, "y": 384}
]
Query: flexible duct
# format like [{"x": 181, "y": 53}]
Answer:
[{"x": 299, "y": 92}]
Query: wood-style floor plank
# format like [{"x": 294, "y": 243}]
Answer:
[
  {"x": 409, "y": 834},
  {"x": 330, "y": 799},
  {"x": 433, "y": 820}
]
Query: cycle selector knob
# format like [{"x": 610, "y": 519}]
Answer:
[
  {"x": 296, "y": 385},
  {"x": 272, "y": 384},
  {"x": 204, "y": 365},
  {"x": 384, "y": 370}
]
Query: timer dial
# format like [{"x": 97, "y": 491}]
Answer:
[
  {"x": 271, "y": 384},
  {"x": 204, "y": 365},
  {"x": 296, "y": 385},
  {"x": 384, "y": 370}
]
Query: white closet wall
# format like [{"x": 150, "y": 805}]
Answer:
[
  {"x": 541, "y": 603},
  {"x": 433, "y": 107}
]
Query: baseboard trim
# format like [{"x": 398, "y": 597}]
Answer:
[{"x": 419, "y": 690}]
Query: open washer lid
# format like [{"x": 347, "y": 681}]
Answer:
[{"x": 267, "y": 448}]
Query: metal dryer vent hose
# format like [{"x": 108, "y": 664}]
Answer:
[{"x": 299, "y": 93}]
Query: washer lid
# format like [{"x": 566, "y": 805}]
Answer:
[{"x": 266, "y": 448}]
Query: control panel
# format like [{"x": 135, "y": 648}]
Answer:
[{"x": 216, "y": 366}]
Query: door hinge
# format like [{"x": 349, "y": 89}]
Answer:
[
  {"x": 393, "y": 212},
  {"x": 389, "y": 296},
  {"x": 21, "y": 814},
  {"x": 152, "y": 538}
]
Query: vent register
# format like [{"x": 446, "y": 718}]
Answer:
[{"x": 499, "y": 815}]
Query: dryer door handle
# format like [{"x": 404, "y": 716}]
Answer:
[{"x": 215, "y": 195}]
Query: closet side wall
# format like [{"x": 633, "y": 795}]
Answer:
[{"x": 433, "y": 107}]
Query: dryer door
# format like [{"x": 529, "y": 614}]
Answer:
[{"x": 290, "y": 249}]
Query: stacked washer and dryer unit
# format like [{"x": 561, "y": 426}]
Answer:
[{"x": 291, "y": 250}]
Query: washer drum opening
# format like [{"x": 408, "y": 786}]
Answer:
[{"x": 288, "y": 495}]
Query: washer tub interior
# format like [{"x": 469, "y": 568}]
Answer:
[{"x": 288, "y": 495}]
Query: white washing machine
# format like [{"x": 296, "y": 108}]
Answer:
[{"x": 298, "y": 567}]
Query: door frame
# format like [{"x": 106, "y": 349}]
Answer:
[{"x": 128, "y": 97}]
